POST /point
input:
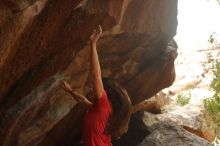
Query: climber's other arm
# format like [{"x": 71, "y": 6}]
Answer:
[{"x": 77, "y": 96}]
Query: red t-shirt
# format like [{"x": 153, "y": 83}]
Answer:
[{"x": 95, "y": 122}]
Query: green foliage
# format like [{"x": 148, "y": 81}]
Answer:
[
  {"x": 208, "y": 61},
  {"x": 212, "y": 38},
  {"x": 215, "y": 85},
  {"x": 183, "y": 99},
  {"x": 212, "y": 105}
]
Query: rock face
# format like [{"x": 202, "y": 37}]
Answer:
[
  {"x": 191, "y": 118},
  {"x": 170, "y": 134},
  {"x": 146, "y": 130},
  {"x": 154, "y": 105},
  {"x": 45, "y": 41}
]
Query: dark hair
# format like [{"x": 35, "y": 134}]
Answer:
[{"x": 121, "y": 105}]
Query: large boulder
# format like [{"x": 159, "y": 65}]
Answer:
[
  {"x": 191, "y": 118},
  {"x": 170, "y": 134},
  {"x": 146, "y": 129},
  {"x": 45, "y": 41},
  {"x": 154, "y": 105}
]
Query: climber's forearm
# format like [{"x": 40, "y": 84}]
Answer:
[
  {"x": 75, "y": 97},
  {"x": 96, "y": 71},
  {"x": 80, "y": 98}
]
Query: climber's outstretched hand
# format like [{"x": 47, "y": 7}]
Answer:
[
  {"x": 66, "y": 86},
  {"x": 96, "y": 34}
]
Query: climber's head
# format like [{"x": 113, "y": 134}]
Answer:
[{"x": 121, "y": 106}]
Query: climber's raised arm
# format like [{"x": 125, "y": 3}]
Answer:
[
  {"x": 94, "y": 65},
  {"x": 77, "y": 96}
]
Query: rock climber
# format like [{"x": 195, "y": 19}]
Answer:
[{"x": 109, "y": 107}]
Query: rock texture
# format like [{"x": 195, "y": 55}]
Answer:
[
  {"x": 192, "y": 119},
  {"x": 194, "y": 122},
  {"x": 146, "y": 130},
  {"x": 170, "y": 134},
  {"x": 45, "y": 41},
  {"x": 154, "y": 105}
]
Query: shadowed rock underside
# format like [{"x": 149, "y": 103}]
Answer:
[{"x": 45, "y": 41}]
